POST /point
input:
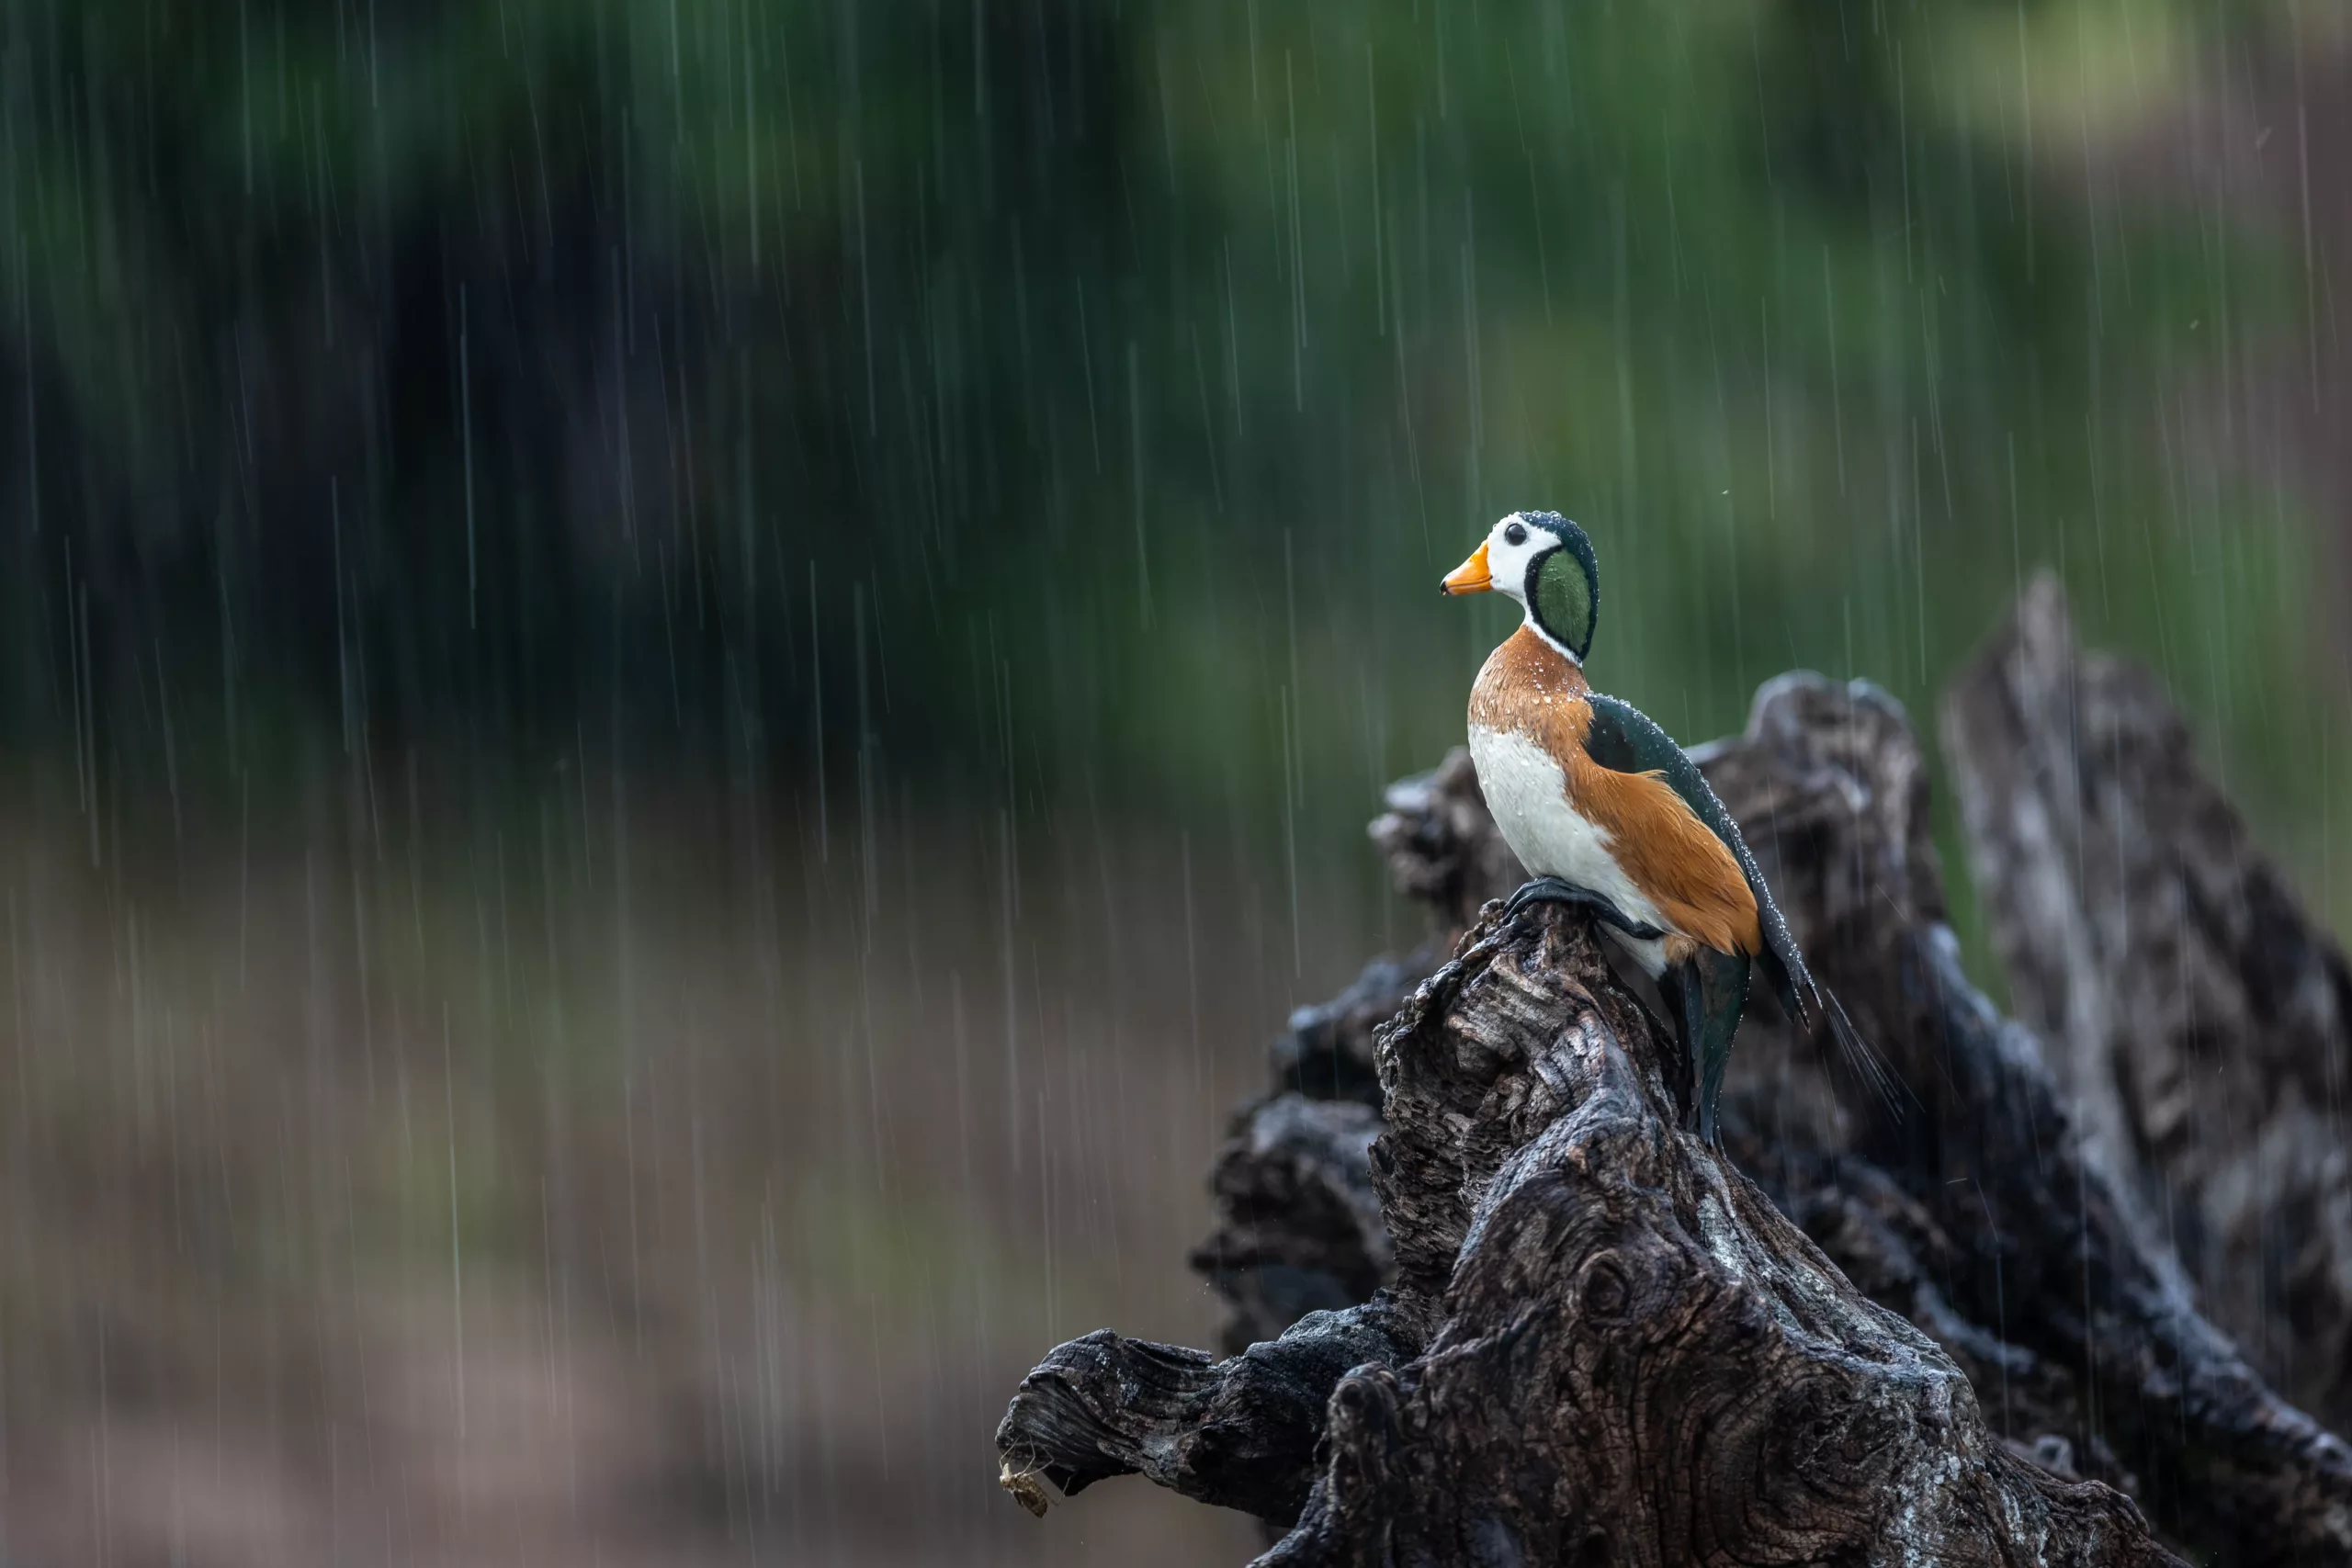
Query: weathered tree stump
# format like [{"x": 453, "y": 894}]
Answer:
[
  {"x": 1603, "y": 1344},
  {"x": 2077, "y": 1326},
  {"x": 2198, "y": 1019},
  {"x": 1934, "y": 1334}
]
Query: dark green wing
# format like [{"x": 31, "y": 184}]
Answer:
[{"x": 1625, "y": 740}]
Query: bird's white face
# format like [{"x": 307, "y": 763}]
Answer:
[
  {"x": 1513, "y": 546},
  {"x": 1500, "y": 564}
]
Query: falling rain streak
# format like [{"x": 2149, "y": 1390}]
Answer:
[{"x": 687, "y": 681}]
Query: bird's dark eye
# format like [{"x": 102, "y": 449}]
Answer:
[{"x": 1515, "y": 535}]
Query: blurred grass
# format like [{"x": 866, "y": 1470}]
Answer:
[{"x": 287, "y": 1141}]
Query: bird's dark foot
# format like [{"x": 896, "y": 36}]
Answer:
[{"x": 1552, "y": 890}]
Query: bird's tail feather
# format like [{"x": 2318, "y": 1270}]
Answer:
[{"x": 1858, "y": 1056}]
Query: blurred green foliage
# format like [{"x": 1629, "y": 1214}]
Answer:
[{"x": 1046, "y": 395}]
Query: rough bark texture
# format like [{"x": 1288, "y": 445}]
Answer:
[
  {"x": 2039, "y": 1251},
  {"x": 1238, "y": 1432},
  {"x": 1634, "y": 1356},
  {"x": 1603, "y": 1344},
  {"x": 2195, "y": 1013},
  {"x": 1299, "y": 1228},
  {"x": 1930, "y": 1334}
]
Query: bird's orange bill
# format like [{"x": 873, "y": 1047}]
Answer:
[{"x": 1471, "y": 575}]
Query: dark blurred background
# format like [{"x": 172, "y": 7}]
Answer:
[{"x": 683, "y": 681}]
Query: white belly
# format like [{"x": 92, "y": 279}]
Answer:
[{"x": 1529, "y": 797}]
